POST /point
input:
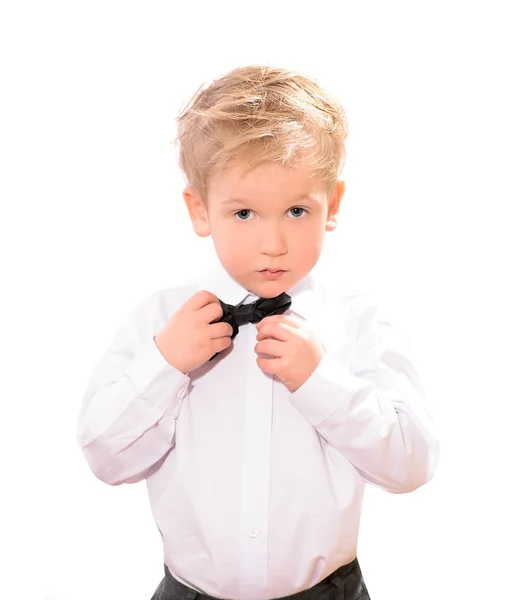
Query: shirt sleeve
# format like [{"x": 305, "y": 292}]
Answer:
[
  {"x": 373, "y": 408},
  {"x": 133, "y": 397}
]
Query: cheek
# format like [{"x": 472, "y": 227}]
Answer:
[
  {"x": 227, "y": 238},
  {"x": 223, "y": 233},
  {"x": 309, "y": 241}
]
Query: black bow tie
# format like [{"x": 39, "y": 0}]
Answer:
[{"x": 253, "y": 312}]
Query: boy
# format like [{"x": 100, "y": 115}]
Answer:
[{"x": 254, "y": 401}]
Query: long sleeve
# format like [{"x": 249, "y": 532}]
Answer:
[
  {"x": 128, "y": 414},
  {"x": 372, "y": 408}
]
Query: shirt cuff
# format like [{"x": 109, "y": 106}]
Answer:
[
  {"x": 157, "y": 380},
  {"x": 327, "y": 388}
]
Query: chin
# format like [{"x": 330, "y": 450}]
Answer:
[
  {"x": 271, "y": 289},
  {"x": 272, "y": 294}
]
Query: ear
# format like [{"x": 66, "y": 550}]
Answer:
[
  {"x": 197, "y": 211},
  {"x": 334, "y": 205}
]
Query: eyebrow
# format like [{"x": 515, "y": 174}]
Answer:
[{"x": 243, "y": 201}]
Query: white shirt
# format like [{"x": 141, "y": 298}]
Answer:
[{"x": 257, "y": 491}]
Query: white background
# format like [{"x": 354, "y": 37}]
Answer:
[{"x": 93, "y": 221}]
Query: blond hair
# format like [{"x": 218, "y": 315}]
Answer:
[{"x": 261, "y": 114}]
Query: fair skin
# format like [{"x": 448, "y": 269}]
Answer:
[{"x": 280, "y": 223}]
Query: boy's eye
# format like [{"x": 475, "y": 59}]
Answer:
[
  {"x": 243, "y": 211},
  {"x": 298, "y": 208},
  {"x": 295, "y": 208}
]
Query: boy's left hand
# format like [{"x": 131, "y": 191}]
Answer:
[{"x": 296, "y": 350}]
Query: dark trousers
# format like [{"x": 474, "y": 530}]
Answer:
[{"x": 346, "y": 583}]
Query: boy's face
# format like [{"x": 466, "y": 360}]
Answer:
[{"x": 279, "y": 223}]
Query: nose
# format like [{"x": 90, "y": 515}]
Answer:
[{"x": 272, "y": 240}]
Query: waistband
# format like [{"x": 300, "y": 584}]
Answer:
[{"x": 180, "y": 590}]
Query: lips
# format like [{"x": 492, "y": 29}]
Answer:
[
  {"x": 272, "y": 270},
  {"x": 276, "y": 274}
]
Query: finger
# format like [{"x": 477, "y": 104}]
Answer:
[
  {"x": 218, "y": 330},
  {"x": 212, "y": 312},
  {"x": 269, "y": 365},
  {"x": 202, "y": 298},
  {"x": 271, "y": 347},
  {"x": 279, "y": 319},
  {"x": 278, "y": 331}
]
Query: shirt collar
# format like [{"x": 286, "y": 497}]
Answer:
[{"x": 306, "y": 294}]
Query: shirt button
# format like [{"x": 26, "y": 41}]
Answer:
[
  {"x": 181, "y": 393},
  {"x": 253, "y": 532}
]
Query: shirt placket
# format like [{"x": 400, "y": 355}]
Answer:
[{"x": 255, "y": 475}]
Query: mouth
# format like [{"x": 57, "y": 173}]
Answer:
[
  {"x": 272, "y": 274},
  {"x": 272, "y": 271}
]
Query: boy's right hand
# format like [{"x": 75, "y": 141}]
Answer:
[{"x": 190, "y": 337}]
